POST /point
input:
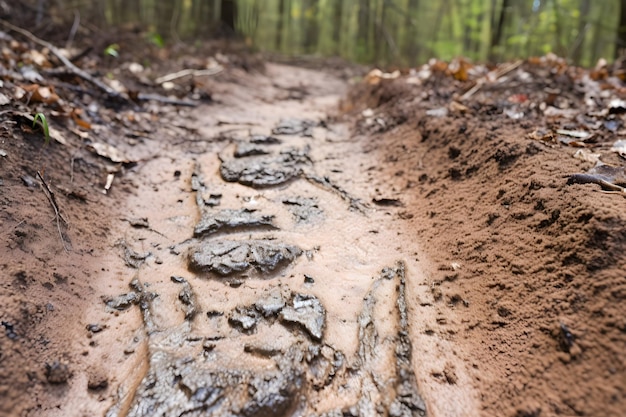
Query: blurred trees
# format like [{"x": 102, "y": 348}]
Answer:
[
  {"x": 409, "y": 32},
  {"x": 403, "y": 32}
]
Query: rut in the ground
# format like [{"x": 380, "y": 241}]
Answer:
[{"x": 268, "y": 354}]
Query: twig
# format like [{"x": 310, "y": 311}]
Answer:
[
  {"x": 53, "y": 202},
  {"x": 165, "y": 100},
  {"x": 77, "y": 71},
  {"x": 75, "y": 26},
  {"x": 186, "y": 72},
  {"x": 495, "y": 74}
]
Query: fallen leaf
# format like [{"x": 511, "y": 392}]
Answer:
[
  {"x": 619, "y": 147},
  {"x": 588, "y": 156},
  {"x": 456, "y": 107},
  {"x": 439, "y": 112},
  {"x": 110, "y": 152},
  {"x": 40, "y": 94},
  {"x": 75, "y": 114},
  {"x": 375, "y": 76}
]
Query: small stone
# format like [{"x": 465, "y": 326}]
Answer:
[
  {"x": 308, "y": 312},
  {"x": 244, "y": 318},
  {"x": 270, "y": 305},
  {"x": 57, "y": 373},
  {"x": 94, "y": 328},
  {"x": 97, "y": 381}
]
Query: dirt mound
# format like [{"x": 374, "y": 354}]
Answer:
[{"x": 532, "y": 260}]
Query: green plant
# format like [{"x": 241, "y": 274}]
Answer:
[
  {"x": 112, "y": 50},
  {"x": 156, "y": 39},
  {"x": 41, "y": 121}
]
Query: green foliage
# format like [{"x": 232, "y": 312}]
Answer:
[
  {"x": 112, "y": 50},
  {"x": 156, "y": 39},
  {"x": 41, "y": 121}
]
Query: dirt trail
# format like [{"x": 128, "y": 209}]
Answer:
[
  {"x": 253, "y": 270},
  {"x": 297, "y": 246},
  {"x": 280, "y": 289}
]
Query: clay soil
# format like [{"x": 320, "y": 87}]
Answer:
[{"x": 438, "y": 242}]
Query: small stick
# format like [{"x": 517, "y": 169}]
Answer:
[
  {"x": 186, "y": 72},
  {"x": 53, "y": 202},
  {"x": 498, "y": 73},
  {"x": 79, "y": 72}
]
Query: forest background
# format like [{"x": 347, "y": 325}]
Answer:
[{"x": 381, "y": 32}]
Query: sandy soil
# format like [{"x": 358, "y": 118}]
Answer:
[{"x": 441, "y": 263}]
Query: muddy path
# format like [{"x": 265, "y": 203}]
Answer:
[
  {"x": 279, "y": 289},
  {"x": 299, "y": 245},
  {"x": 249, "y": 268},
  {"x": 267, "y": 281}
]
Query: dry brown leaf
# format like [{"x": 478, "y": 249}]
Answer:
[
  {"x": 35, "y": 57},
  {"x": 40, "y": 94},
  {"x": 75, "y": 114}
]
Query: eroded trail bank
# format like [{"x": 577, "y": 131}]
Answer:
[{"x": 248, "y": 267}]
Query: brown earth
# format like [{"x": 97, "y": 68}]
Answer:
[{"x": 452, "y": 261}]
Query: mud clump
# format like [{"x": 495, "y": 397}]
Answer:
[
  {"x": 250, "y": 149},
  {"x": 57, "y": 373},
  {"x": 303, "y": 209},
  {"x": 265, "y": 170},
  {"x": 244, "y": 318},
  {"x": 302, "y": 127},
  {"x": 270, "y": 305},
  {"x": 187, "y": 297},
  {"x": 308, "y": 312},
  {"x": 225, "y": 257},
  {"x": 123, "y": 301},
  {"x": 231, "y": 220},
  {"x": 184, "y": 386}
]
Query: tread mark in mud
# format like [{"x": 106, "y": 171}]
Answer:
[
  {"x": 270, "y": 357},
  {"x": 182, "y": 381}
]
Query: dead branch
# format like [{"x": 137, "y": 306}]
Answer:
[
  {"x": 53, "y": 202},
  {"x": 73, "y": 68},
  {"x": 494, "y": 75},
  {"x": 187, "y": 72}
]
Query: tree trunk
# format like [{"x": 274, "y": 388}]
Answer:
[
  {"x": 621, "y": 30},
  {"x": 379, "y": 42},
  {"x": 585, "y": 7},
  {"x": 497, "y": 25},
  {"x": 279, "y": 25},
  {"x": 311, "y": 28},
  {"x": 364, "y": 21},
  {"x": 337, "y": 20},
  {"x": 411, "y": 40},
  {"x": 362, "y": 50},
  {"x": 228, "y": 17}
]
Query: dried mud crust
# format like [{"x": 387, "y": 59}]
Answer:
[
  {"x": 266, "y": 352},
  {"x": 533, "y": 262}
]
